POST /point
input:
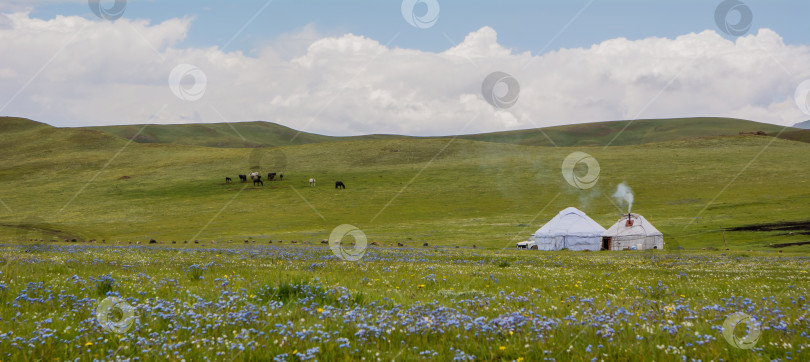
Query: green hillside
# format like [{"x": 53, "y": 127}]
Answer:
[
  {"x": 622, "y": 133},
  {"x": 801, "y": 135},
  {"x": 226, "y": 135},
  {"x": 617, "y": 133},
  {"x": 89, "y": 184}
]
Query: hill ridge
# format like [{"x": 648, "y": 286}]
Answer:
[{"x": 252, "y": 134}]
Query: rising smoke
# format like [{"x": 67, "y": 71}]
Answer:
[{"x": 624, "y": 195}]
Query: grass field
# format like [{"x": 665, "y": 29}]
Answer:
[
  {"x": 87, "y": 185},
  {"x": 302, "y": 303},
  {"x": 226, "y": 282}
]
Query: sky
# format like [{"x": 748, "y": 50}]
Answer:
[{"x": 416, "y": 67}]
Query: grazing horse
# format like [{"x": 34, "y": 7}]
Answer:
[
  {"x": 312, "y": 182},
  {"x": 258, "y": 181},
  {"x": 280, "y": 176},
  {"x": 253, "y": 175},
  {"x": 271, "y": 176},
  {"x": 243, "y": 178},
  {"x": 228, "y": 180},
  {"x": 339, "y": 185}
]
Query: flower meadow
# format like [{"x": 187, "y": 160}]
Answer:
[{"x": 302, "y": 303}]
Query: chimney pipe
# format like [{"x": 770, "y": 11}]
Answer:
[{"x": 629, "y": 222}]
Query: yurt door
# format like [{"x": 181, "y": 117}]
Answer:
[{"x": 607, "y": 243}]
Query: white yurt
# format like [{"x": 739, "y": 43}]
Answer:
[
  {"x": 570, "y": 229},
  {"x": 632, "y": 232}
]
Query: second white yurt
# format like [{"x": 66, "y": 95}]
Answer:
[
  {"x": 632, "y": 232},
  {"x": 570, "y": 229}
]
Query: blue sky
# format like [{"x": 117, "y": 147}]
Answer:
[{"x": 521, "y": 25}]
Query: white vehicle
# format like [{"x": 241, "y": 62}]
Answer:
[{"x": 529, "y": 244}]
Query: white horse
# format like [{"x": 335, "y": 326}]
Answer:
[
  {"x": 253, "y": 175},
  {"x": 312, "y": 182}
]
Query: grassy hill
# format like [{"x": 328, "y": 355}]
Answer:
[
  {"x": 622, "y": 133},
  {"x": 800, "y": 135},
  {"x": 617, "y": 133},
  {"x": 90, "y": 184},
  {"x": 226, "y": 135}
]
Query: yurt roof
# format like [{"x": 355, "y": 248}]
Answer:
[
  {"x": 640, "y": 227},
  {"x": 571, "y": 221}
]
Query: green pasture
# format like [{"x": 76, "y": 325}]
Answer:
[{"x": 77, "y": 183}]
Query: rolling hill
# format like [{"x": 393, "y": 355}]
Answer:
[
  {"x": 225, "y": 135},
  {"x": 623, "y": 133},
  {"x": 265, "y": 134},
  {"x": 90, "y": 184}
]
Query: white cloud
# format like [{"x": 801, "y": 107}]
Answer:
[{"x": 89, "y": 72}]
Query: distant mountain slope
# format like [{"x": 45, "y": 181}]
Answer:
[
  {"x": 35, "y": 147},
  {"x": 627, "y": 132},
  {"x": 588, "y": 134},
  {"x": 30, "y": 137},
  {"x": 225, "y": 135},
  {"x": 17, "y": 124},
  {"x": 802, "y": 125},
  {"x": 266, "y": 134}
]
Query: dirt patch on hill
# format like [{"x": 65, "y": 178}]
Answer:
[
  {"x": 803, "y": 226},
  {"x": 789, "y": 228},
  {"x": 784, "y": 245}
]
